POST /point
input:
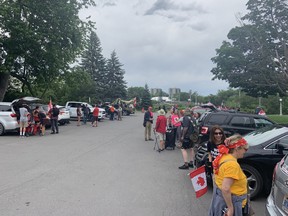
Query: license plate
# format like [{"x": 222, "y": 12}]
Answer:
[{"x": 285, "y": 204}]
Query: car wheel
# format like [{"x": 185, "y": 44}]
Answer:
[
  {"x": 2, "y": 130},
  {"x": 255, "y": 181}
]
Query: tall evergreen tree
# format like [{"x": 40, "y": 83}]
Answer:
[
  {"x": 116, "y": 85},
  {"x": 95, "y": 64},
  {"x": 146, "y": 98}
]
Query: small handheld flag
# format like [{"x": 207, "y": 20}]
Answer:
[
  {"x": 199, "y": 181},
  {"x": 50, "y": 106}
]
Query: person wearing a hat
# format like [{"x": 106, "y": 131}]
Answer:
[
  {"x": 160, "y": 128},
  {"x": 148, "y": 121}
]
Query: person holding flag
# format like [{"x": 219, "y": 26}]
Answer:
[{"x": 230, "y": 196}]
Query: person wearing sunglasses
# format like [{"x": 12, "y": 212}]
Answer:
[
  {"x": 230, "y": 194},
  {"x": 216, "y": 138}
]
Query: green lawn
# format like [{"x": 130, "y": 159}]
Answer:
[{"x": 279, "y": 119}]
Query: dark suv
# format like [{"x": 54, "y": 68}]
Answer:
[{"x": 231, "y": 122}]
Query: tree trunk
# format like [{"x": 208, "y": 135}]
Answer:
[{"x": 4, "y": 81}]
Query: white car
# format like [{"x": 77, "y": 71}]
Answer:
[
  {"x": 72, "y": 107},
  {"x": 8, "y": 113},
  {"x": 8, "y": 118},
  {"x": 64, "y": 115}
]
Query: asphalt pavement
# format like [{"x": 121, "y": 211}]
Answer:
[{"x": 105, "y": 171}]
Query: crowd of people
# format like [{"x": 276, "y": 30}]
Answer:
[
  {"x": 183, "y": 123},
  {"x": 230, "y": 188},
  {"x": 34, "y": 122}
]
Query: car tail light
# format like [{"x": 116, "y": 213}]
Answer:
[
  {"x": 276, "y": 167},
  {"x": 274, "y": 172},
  {"x": 13, "y": 115},
  {"x": 204, "y": 130}
]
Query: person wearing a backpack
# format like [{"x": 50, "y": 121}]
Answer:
[
  {"x": 54, "y": 112},
  {"x": 186, "y": 144}
]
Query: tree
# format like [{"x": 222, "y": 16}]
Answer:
[
  {"x": 95, "y": 64},
  {"x": 77, "y": 85},
  {"x": 116, "y": 86},
  {"x": 38, "y": 40},
  {"x": 256, "y": 58},
  {"x": 146, "y": 98}
]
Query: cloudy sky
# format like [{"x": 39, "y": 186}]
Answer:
[{"x": 166, "y": 43}]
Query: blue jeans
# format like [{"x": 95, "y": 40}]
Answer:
[
  {"x": 84, "y": 119},
  {"x": 54, "y": 125}
]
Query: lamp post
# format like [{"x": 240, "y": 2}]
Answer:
[{"x": 280, "y": 100}]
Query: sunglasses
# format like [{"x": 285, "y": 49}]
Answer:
[{"x": 220, "y": 133}]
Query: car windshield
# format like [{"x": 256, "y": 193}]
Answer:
[{"x": 264, "y": 134}]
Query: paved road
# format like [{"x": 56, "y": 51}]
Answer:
[{"x": 104, "y": 171}]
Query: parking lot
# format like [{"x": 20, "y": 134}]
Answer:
[{"x": 108, "y": 170}]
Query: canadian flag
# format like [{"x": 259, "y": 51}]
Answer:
[
  {"x": 262, "y": 112},
  {"x": 50, "y": 106},
  {"x": 199, "y": 181},
  {"x": 134, "y": 102}
]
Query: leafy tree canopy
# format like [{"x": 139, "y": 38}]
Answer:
[
  {"x": 38, "y": 41},
  {"x": 256, "y": 56}
]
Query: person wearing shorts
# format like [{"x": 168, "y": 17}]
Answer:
[
  {"x": 187, "y": 144},
  {"x": 23, "y": 119},
  {"x": 79, "y": 114},
  {"x": 42, "y": 117},
  {"x": 160, "y": 128}
]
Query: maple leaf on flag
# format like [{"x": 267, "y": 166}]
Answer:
[{"x": 200, "y": 181}]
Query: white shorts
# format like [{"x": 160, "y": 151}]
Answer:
[{"x": 160, "y": 136}]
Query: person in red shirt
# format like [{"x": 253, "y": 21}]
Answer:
[
  {"x": 160, "y": 128},
  {"x": 95, "y": 117}
]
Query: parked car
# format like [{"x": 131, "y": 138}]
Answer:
[
  {"x": 9, "y": 113},
  {"x": 8, "y": 118},
  {"x": 64, "y": 115},
  {"x": 267, "y": 146},
  {"x": 231, "y": 122},
  {"x": 72, "y": 107},
  {"x": 204, "y": 108},
  {"x": 277, "y": 201}
]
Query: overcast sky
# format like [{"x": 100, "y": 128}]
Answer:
[{"x": 166, "y": 43}]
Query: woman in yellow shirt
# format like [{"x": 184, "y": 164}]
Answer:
[{"x": 230, "y": 195}]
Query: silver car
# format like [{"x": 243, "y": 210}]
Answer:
[
  {"x": 277, "y": 201},
  {"x": 8, "y": 118}
]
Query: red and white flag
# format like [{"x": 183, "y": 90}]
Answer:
[
  {"x": 262, "y": 112},
  {"x": 134, "y": 102},
  {"x": 199, "y": 181},
  {"x": 50, "y": 106}
]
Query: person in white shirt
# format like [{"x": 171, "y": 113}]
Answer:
[{"x": 23, "y": 119}]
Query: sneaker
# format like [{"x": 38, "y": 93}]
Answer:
[
  {"x": 184, "y": 167},
  {"x": 191, "y": 165},
  {"x": 151, "y": 139}
]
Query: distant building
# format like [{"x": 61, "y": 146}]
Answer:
[
  {"x": 155, "y": 91},
  {"x": 174, "y": 93},
  {"x": 166, "y": 99}
]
